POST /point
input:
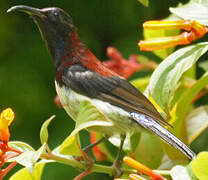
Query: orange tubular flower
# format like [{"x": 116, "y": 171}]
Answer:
[
  {"x": 142, "y": 168},
  {"x": 6, "y": 117},
  {"x": 194, "y": 28}
]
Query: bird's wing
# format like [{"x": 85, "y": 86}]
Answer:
[{"x": 113, "y": 89}]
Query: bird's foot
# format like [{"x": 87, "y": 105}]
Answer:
[
  {"x": 116, "y": 170},
  {"x": 86, "y": 150},
  {"x": 89, "y": 160},
  {"x": 85, "y": 159}
]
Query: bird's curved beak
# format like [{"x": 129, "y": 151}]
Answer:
[{"x": 27, "y": 9}]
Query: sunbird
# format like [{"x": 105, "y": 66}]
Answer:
[{"x": 80, "y": 76}]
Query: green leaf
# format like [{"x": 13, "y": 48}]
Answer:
[
  {"x": 179, "y": 173},
  {"x": 144, "y": 2},
  {"x": 187, "y": 97},
  {"x": 145, "y": 153},
  {"x": 165, "y": 78},
  {"x": 200, "y": 166},
  {"x": 88, "y": 117},
  {"x": 178, "y": 93},
  {"x": 196, "y": 122},
  {"x": 29, "y": 158},
  {"x": 140, "y": 83},
  {"x": 192, "y": 11},
  {"x": 44, "y": 130},
  {"x": 204, "y": 65},
  {"x": 178, "y": 117},
  {"x": 25, "y": 174},
  {"x": 185, "y": 83},
  {"x": 134, "y": 141},
  {"x": 71, "y": 146},
  {"x": 56, "y": 152},
  {"x": 20, "y": 146}
]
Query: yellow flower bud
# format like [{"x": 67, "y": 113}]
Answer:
[{"x": 6, "y": 117}]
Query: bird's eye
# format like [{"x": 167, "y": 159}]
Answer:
[{"x": 56, "y": 14}]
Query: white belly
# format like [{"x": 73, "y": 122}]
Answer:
[{"x": 71, "y": 100}]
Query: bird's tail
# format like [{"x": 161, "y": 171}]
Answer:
[{"x": 164, "y": 134}]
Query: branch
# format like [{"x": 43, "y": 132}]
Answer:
[{"x": 95, "y": 167}]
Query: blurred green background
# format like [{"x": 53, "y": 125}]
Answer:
[{"x": 26, "y": 69}]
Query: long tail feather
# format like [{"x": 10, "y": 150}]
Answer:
[{"x": 164, "y": 134}]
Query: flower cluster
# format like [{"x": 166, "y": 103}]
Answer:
[
  {"x": 121, "y": 66},
  {"x": 193, "y": 31}
]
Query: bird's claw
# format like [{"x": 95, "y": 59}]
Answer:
[
  {"x": 116, "y": 170},
  {"x": 89, "y": 160}
]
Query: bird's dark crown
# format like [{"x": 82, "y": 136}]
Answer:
[{"x": 56, "y": 17}]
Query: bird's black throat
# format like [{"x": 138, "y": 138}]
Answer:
[{"x": 55, "y": 36}]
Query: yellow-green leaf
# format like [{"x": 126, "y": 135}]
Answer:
[
  {"x": 44, "y": 130},
  {"x": 187, "y": 97},
  {"x": 25, "y": 174},
  {"x": 196, "y": 122},
  {"x": 145, "y": 153},
  {"x": 71, "y": 146},
  {"x": 178, "y": 116},
  {"x": 144, "y": 2},
  {"x": 89, "y": 113},
  {"x": 88, "y": 117},
  {"x": 200, "y": 166}
]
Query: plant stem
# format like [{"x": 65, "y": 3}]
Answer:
[
  {"x": 69, "y": 160},
  {"x": 162, "y": 172},
  {"x": 6, "y": 170},
  {"x": 83, "y": 174}
]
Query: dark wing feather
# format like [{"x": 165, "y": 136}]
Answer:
[{"x": 114, "y": 90}]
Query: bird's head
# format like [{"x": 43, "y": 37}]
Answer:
[{"x": 54, "y": 24}]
